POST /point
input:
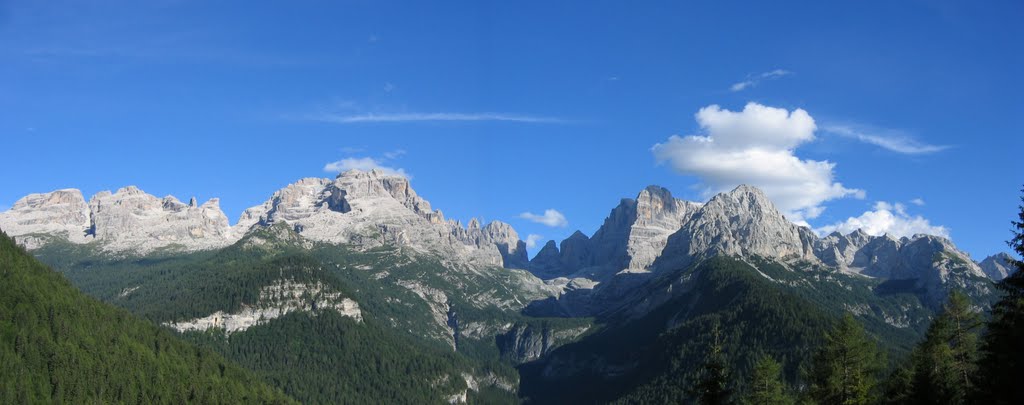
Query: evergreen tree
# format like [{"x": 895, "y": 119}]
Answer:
[
  {"x": 845, "y": 367},
  {"x": 944, "y": 363},
  {"x": 964, "y": 325},
  {"x": 712, "y": 387},
  {"x": 766, "y": 385},
  {"x": 899, "y": 387},
  {"x": 1002, "y": 361}
]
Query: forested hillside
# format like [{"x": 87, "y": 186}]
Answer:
[{"x": 59, "y": 346}]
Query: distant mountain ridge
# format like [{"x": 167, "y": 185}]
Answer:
[
  {"x": 361, "y": 208},
  {"x": 371, "y": 209}
]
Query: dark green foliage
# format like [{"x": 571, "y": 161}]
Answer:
[
  {"x": 656, "y": 365},
  {"x": 59, "y": 346},
  {"x": 327, "y": 358},
  {"x": 766, "y": 385},
  {"x": 943, "y": 365},
  {"x": 899, "y": 387},
  {"x": 1002, "y": 362},
  {"x": 712, "y": 383},
  {"x": 844, "y": 370}
]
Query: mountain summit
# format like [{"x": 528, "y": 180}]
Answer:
[{"x": 360, "y": 208}]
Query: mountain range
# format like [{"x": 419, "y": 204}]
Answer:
[{"x": 364, "y": 252}]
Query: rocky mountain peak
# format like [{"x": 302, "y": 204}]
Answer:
[
  {"x": 653, "y": 201},
  {"x": 578, "y": 235},
  {"x": 631, "y": 237},
  {"x": 373, "y": 208},
  {"x": 741, "y": 222},
  {"x": 127, "y": 220},
  {"x": 998, "y": 266},
  {"x": 63, "y": 213},
  {"x": 129, "y": 190}
]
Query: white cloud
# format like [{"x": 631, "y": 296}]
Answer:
[
  {"x": 532, "y": 239},
  {"x": 551, "y": 217},
  {"x": 891, "y": 140},
  {"x": 755, "y": 79},
  {"x": 427, "y": 117},
  {"x": 364, "y": 164},
  {"x": 756, "y": 147},
  {"x": 889, "y": 219},
  {"x": 917, "y": 201}
]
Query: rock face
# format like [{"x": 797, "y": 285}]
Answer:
[
  {"x": 62, "y": 213},
  {"x": 742, "y": 222},
  {"x": 631, "y": 238},
  {"x": 526, "y": 343},
  {"x": 370, "y": 209},
  {"x": 359, "y": 208},
  {"x": 128, "y": 220},
  {"x": 657, "y": 233},
  {"x": 275, "y": 300},
  {"x": 997, "y": 266}
]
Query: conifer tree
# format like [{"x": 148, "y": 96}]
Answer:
[
  {"x": 845, "y": 367},
  {"x": 766, "y": 385},
  {"x": 712, "y": 387},
  {"x": 899, "y": 386},
  {"x": 944, "y": 362},
  {"x": 1002, "y": 362}
]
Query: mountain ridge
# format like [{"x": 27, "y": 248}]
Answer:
[{"x": 370, "y": 209}]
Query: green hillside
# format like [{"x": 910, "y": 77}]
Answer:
[
  {"x": 653, "y": 359},
  {"x": 59, "y": 346}
]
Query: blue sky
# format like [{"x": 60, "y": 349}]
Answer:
[{"x": 496, "y": 109}]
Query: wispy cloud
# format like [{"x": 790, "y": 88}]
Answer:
[
  {"x": 395, "y": 154},
  {"x": 429, "y": 117},
  {"x": 887, "y": 139},
  {"x": 551, "y": 217},
  {"x": 917, "y": 201},
  {"x": 532, "y": 240},
  {"x": 364, "y": 164},
  {"x": 753, "y": 80}
]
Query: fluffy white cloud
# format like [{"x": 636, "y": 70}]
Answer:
[
  {"x": 886, "y": 219},
  {"x": 364, "y": 164},
  {"x": 532, "y": 240},
  {"x": 756, "y": 147},
  {"x": 551, "y": 217},
  {"x": 887, "y": 139},
  {"x": 917, "y": 201}
]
